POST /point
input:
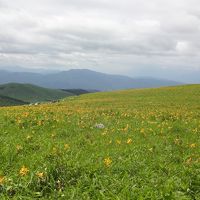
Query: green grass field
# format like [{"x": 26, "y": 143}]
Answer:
[{"x": 149, "y": 148}]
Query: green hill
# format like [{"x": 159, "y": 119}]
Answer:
[
  {"x": 7, "y": 101},
  {"x": 31, "y": 93},
  {"x": 132, "y": 144}
]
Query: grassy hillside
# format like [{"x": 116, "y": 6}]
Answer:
[
  {"x": 148, "y": 149},
  {"x": 31, "y": 93},
  {"x": 7, "y": 101}
]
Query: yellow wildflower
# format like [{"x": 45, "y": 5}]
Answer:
[
  {"x": 118, "y": 142},
  {"x": 54, "y": 149},
  {"x": 29, "y": 137},
  {"x": 126, "y": 128},
  {"x": 129, "y": 141},
  {"x": 104, "y": 133},
  {"x": 66, "y": 146},
  {"x": 40, "y": 174},
  {"x": 193, "y": 145},
  {"x": 107, "y": 162},
  {"x": 19, "y": 147},
  {"x": 142, "y": 130},
  {"x": 177, "y": 141},
  {"x": 40, "y": 123},
  {"x": 26, "y": 114},
  {"x": 23, "y": 171},
  {"x": 189, "y": 160},
  {"x": 2, "y": 180}
]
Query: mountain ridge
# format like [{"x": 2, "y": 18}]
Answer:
[{"x": 83, "y": 79}]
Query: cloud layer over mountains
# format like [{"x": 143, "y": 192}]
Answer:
[{"x": 137, "y": 37}]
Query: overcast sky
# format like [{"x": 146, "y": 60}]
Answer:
[{"x": 133, "y": 37}]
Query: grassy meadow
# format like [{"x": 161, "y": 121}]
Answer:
[{"x": 148, "y": 149}]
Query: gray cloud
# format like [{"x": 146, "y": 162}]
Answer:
[{"x": 130, "y": 37}]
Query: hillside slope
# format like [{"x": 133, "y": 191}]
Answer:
[
  {"x": 7, "y": 101},
  {"x": 31, "y": 93},
  {"x": 130, "y": 144}
]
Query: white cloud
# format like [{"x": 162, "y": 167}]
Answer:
[{"x": 113, "y": 36}]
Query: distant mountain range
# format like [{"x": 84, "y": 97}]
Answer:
[{"x": 82, "y": 79}]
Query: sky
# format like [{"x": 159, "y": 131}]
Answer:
[{"x": 157, "y": 38}]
